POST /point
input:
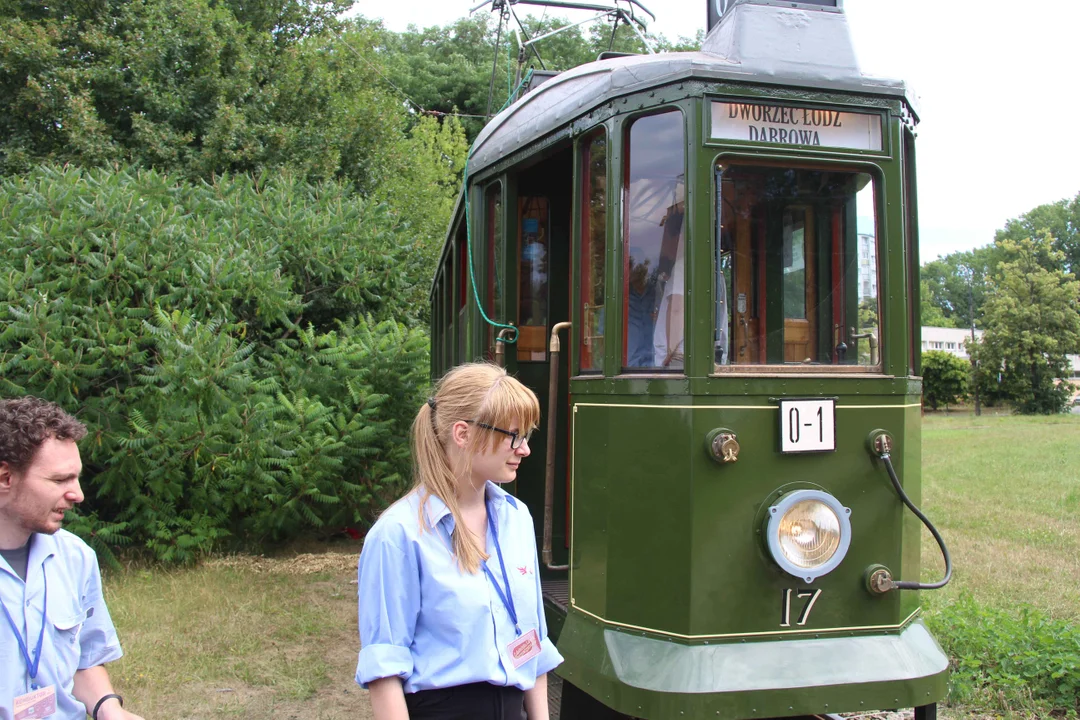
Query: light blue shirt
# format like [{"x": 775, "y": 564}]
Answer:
[
  {"x": 425, "y": 620},
  {"x": 79, "y": 633}
]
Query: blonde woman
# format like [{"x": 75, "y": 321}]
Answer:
[{"x": 451, "y": 618}]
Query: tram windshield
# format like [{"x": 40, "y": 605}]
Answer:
[{"x": 796, "y": 268}]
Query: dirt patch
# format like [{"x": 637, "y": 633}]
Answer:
[{"x": 303, "y": 564}]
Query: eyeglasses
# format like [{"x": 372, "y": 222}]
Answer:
[{"x": 516, "y": 438}]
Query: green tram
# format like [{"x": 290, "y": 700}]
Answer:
[{"x": 710, "y": 261}]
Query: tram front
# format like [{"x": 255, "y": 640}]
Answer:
[{"x": 745, "y": 379}]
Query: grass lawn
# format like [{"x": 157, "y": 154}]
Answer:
[
  {"x": 241, "y": 638},
  {"x": 256, "y": 638},
  {"x": 1005, "y": 493}
]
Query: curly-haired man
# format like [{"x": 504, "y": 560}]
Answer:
[{"x": 55, "y": 633}]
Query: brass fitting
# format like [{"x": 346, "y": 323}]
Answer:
[
  {"x": 879, "y": 580},
  {"x": 723, "y": 446}
]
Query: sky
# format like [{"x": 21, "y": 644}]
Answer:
[{"x": 997, "y": 91}]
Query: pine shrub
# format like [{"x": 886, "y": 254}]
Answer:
[{"x": 247, "y": 354}]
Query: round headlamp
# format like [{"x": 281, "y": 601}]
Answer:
[{"x": 809, "y": 532}]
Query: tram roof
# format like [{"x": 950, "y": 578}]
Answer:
[{"x": 762, "y": 44}]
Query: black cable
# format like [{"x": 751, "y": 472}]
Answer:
[
  {"x": 495, "y": 62},
  {"x": 910, "y": 585},
  {"x": 614, "y": 31}
]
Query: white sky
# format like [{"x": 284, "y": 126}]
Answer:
[{"x": 998, "y": 95}]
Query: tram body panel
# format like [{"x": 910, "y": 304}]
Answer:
[{"x": 666, "y": 540}]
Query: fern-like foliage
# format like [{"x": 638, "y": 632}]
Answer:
[{"x": 248, "y": 356}]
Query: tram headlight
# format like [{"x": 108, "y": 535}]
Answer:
[{"x": 808, "y": 532}]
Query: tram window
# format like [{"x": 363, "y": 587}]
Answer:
[
  {"x": 593, "y": 248},
  {"x": 463, "y": 272},
  {"x": 495, "y": 269},
  {"x": 797, "y": 268},
  {"x": 534, "y": 224},
  {"x": 653, "y": 260}
]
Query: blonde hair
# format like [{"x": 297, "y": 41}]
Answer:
[{"x": 481, "y": 392}]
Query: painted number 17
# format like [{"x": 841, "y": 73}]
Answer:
[{"x": 809, "y": 594}]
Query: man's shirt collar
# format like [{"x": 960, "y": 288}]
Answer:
[{"x": 42, "y": 547}]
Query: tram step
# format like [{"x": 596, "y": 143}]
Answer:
[{"x": 557, "y": 591}]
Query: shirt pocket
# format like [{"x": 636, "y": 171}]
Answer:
[{"x": 66, "y": 628}]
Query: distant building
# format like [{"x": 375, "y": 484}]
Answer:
[
  {"x": 953, "y": 341},
  {"x": 867, "y": 258}
]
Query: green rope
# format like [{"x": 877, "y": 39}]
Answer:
[{"x": 468, "y": 229}]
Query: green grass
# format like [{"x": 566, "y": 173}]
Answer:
[
  {"x": 1005, "y": 492},
  {"x": 239, "y": 638}
]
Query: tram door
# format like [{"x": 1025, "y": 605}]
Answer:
[{"x": 542, "y": 222}]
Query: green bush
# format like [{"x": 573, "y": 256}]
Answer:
[
  {"x": 247, "y": 354},
  {"x": 1004, "y": 660},
  {"x": 945, "y": 378}
]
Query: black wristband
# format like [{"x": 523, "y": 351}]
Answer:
[{"x": 102, "y": 700}]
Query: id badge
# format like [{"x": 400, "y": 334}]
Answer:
[
  {"x": 524, "y": 648},
  {"x": 38, "y": 704}
]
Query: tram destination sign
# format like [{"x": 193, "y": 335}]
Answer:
[{"x": 786, "y": 125}]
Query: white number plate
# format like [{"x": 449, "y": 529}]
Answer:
[{"x": 807, "y": 426}]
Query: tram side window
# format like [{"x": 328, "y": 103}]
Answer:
[
  {"x": 593, "y": 248},
  {"x": 495, "y": 269},
  {"x": 653, "y": 260},
  {"x": 534, "y": 226},
  {"x": 461, "y": 319},
  {"x": 797, "y": 267}
]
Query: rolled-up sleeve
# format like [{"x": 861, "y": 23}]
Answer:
[
  {"x": 98, "y": 643},
  {"x": 389, "y": 601}
]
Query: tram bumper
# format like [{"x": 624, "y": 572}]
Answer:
[{"x": 653, "y": 677}]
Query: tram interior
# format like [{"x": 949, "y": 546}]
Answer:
[
  {"x": 797, "y": 268},
  {"x": 544, "y": 194}
]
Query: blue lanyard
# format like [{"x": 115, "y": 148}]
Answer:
[
  {"x": 31, "y": 664},
  {"x": 508, "y": 597}
]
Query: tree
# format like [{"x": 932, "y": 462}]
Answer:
[
  {"x": 423, "y": 193},
  {"x": 985, "y": 379},
  {"x": 930, "y": 308},
  {"x": 448, "y": 69},
  {"x": 945, "y": 378},
  {"x": 1032, "y": 320},
  {"x": 196, "y": 88},
  {"x": 1061, "y": 220},
  {"x": 956, "y": 285}
]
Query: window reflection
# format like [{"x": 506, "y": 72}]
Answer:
[
  {"x": 797, "y": 271},
  {"x": 496, "y": 271},
  {"x": 593, "y": 247},
  {"x": 534, "y": 220},
  {"x": 654, "y": 269}
]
